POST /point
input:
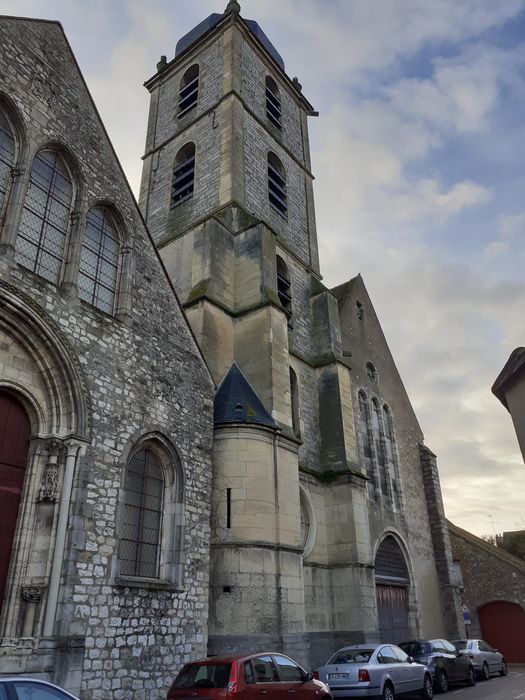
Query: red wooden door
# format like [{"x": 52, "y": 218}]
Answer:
[
  {"x": 14, "y": 437},
  {"x": 503, "y": 627}
]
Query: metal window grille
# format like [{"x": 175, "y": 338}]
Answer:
[
  {"x": 277, "y": 185},
  {"x": 189, "y": 90},
  {"x": 273, "y": 103},
  {"x": 45, "y": 217},
  {"x": 97, "y": 277},
  {"x": 7, "y": 157},
  {"x": 139, "y": 551},
  {"x": 183, "y": 176}
]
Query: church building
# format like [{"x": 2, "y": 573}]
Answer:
[{"x": 203, "y": 449}]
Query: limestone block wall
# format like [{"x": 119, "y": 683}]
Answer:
[
  {"x": 139, "y": 375},
  {"x": 253, "y": 92},
  {"x": 257, "y": 592}
]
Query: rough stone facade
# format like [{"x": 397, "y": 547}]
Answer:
[
  {"x": 490, "y": 576},
  {"x": 317, "y": 523},
  {"x": 95, "y": 386}
]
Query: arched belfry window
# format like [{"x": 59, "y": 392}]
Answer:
[
  {"x": 8, "y": 154},
  {"x": 183, "y": 175},
  {"x": 45, "y": 219},
  {"x": 99, "y": 258},
  {"x": 189, "y": 90},
  {"x": 140, "y": 540},
  {"x": 294, "y": 394},
  {"x": 284, "y": 286},
  {"x": 273, "y": 102},
  {"x": 277, "y": 184}
]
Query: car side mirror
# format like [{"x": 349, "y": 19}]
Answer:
[
  {"x": 410, "y": 659},
  {"x": 308, "y": 676}
]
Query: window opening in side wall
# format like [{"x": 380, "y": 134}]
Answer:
[
  {"x": 8, "y": 152},
  {"x": 45, "y": 219},
  {"x": 277, "y": 184},
  {"x": 99, "y": 258},
  {"x": 139, "y": 552},
  {"x": 189, "y": 90},
  {"x": 183, "y": 175},
  {"x": 294, "y": 392},
  {"x": 273, "y": 102},
  {"x": 360, "y": 311},
  {"x": 284, "y": 286}
]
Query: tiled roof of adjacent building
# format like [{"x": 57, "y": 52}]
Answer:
[{"x": 514, "y": 367}]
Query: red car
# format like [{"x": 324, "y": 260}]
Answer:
[{"x": 247, "y": 678}]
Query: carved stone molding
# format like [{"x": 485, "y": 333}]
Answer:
[
  {"x": 50, "y": 485},
  {"x": 32, "y": 594}
]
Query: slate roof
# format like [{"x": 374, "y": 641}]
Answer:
[
  {"x": 510, "y": 372},
  {"x": 237, "y": 402}
]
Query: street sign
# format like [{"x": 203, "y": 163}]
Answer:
[{"x": 466, "y": 615}]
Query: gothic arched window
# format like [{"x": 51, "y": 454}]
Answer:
[
  {"x": 99, "y": 257},
  {"x": 189, "y": 90},
  {"x": 273, "y": 102},
  {"x": 277, "y": 184},
  {"x": 140, "y": 541},
  {"x": 8, "y": 149},
  {"x": 45, "y": 219},
  {"x": 183, "y": 175}
]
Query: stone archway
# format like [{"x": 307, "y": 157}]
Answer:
[{"x": 392, "y": 591}]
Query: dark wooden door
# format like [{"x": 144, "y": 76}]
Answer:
[
  {"x": 392, "y": 613},
  {"x": 14, "y": 440},
  {"x": 503, "y": 627}
]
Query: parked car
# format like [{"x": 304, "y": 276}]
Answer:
[
  {"x": 485, "y": 658},
  {"x": 20, "y": 688},
  {"x": 443, "y": 661},
  {"x": 375, "y": 670},
  {"x": 247, "y": 677}
]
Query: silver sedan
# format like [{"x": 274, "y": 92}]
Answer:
[
  {"x": 375, "y": 670},
  {"x": 22, "y": 688},
  {"x": 485, "y": 658}
]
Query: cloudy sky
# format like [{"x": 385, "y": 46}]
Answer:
[{"x": 419, "y": 154}]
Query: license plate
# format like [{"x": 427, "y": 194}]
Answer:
[{"x": 338, "y": 676}]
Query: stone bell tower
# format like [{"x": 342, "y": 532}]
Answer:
[{"x": 227, "y": 195}]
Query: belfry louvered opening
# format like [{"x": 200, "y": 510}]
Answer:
[
  {"x": 189, "y": 90},
  {"x": 277, "y": 184},
  {"x": 273, "y": 102},
  {"x": 183, "y": 175}
]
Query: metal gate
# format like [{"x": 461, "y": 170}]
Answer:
[
  {"x": 14, "y": 436},
  {"x": 503, "y": 626},
  {"x": 392, "y": 584}
]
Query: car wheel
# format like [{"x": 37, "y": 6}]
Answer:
[
  {"x": 471, "y": 680},
  {"x": 485, "y": 673},
  {"x": 388, "y": 692},
  {"x": 504, "y": 670},
  {"x": 441, "y": 681},
  {"x": 428, "y": 689}
]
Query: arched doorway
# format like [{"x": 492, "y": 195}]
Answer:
[
  {"x": 503, "y": 626},
  {"x": 392, "y": 585},
  {"x": 15, "y": 429}
]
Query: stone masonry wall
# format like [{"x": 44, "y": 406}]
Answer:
[{"x": 143, "y": 375}]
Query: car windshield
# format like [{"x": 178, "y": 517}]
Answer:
[
  {"x": 203, "y": 675},
  {"x": 415, "y": 648},
  {"x": 460, "y": 643},
  {"x": 351, "y": 656}
]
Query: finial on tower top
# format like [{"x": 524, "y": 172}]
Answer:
[
  {"x": 233, "y": 8},
  {"x": 162, "y": 64},
  {"x": 297, "y": 85}
]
